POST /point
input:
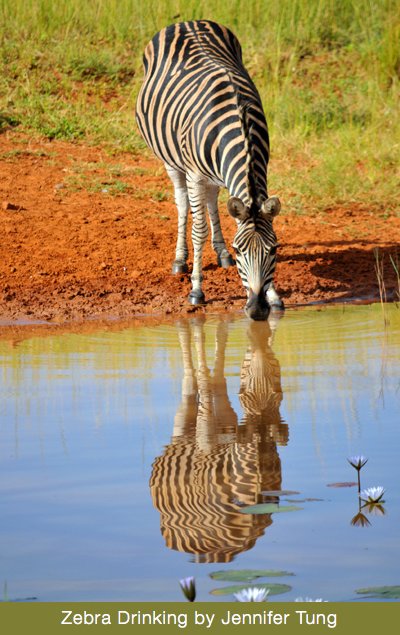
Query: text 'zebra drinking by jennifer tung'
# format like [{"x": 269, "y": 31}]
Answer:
[{"x": 202, "y": 116}]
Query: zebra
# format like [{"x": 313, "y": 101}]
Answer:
[
  {"x": 215, "y": 464},
  {"x": 201, "y": 114}
]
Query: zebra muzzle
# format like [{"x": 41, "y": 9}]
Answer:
[{"x": 257, "y": 307}]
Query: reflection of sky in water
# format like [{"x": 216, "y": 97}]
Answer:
[{"x": 82, "y": 418}]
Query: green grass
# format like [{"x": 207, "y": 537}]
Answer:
[
  {"x": 111, "y": 179},
  {"x": 328, "y": 72},
  {"x": 396, "y": 266}
]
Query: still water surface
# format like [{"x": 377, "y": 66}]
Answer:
[{"x": 127, "y": 457}]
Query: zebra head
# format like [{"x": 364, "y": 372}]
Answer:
[{"x": 255, "y": 245}]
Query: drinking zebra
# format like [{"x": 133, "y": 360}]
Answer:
[{"x": 202, "y": 116}]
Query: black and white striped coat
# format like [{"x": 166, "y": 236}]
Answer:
[
  {"x": 213, "y": 466},
  {"x": 201, "y": 114}
]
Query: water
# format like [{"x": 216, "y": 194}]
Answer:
[{"x": 127, "y": 456}]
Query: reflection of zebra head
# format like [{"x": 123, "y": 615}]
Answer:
[
  {"x": 215, "y": 465},
  {"x": 260, "y": 391}
]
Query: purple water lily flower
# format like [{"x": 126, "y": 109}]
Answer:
[
  {"x": 373, "y": 494},
  {"x": 357, "y": 461},
  {"x": 188, "y": 586},
  {"x": 252, "y": 594}
]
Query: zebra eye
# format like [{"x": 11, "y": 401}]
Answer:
[
  {"x": 235, "y": 249},
  {"x": 272, "y": 251}
]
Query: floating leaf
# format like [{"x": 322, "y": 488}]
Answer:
[
  {"x": 303, "y": 500},
  {"x": 244, "y": 575},
  {"x": 344, "y": 484},
  {"x": 383, "y": 592},
  {"x": 269, "y": 508},
  {"x": 279, "y": 492},
  {"x": 274, "y": 589}
]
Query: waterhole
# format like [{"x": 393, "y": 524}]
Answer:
[{"x": 129, "y": 456}]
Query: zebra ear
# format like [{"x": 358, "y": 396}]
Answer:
[
  {"x": 271, "y": 207},
  {"x": 237, "y": 209}
]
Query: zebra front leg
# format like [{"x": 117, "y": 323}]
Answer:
[
  {"x": 182, "y": 203},
  {"x": 273, "y": 298},
  {"x": 197, "y": 198},
  {"x": 224, "y": 258}
]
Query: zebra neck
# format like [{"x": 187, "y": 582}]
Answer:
[
  {"x": 245, "y": 171},
  {"x": 248, "y": 188}
]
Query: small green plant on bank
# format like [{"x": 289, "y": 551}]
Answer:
[
  {"x": 159, "y": 195},
  {"x": 328, "y": 74},
  {"x": 380, "y": 276},
  {"x": 396, "y": 267}
]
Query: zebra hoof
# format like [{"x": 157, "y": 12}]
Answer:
[
  {"x": 225, "y": 261},
  {"x": 178, "y": 266},
  {"x": 197, "y": 298},
  {"x": 277, "y": 305}
]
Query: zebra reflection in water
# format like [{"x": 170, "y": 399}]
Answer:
[{"x": 216, "y": 464}]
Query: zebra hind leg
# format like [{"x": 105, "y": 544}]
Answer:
[
  {"x": 224, "y": 259},
  {"x": 182, "y": 203}
]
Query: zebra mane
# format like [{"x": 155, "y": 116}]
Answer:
[{"x": 247, "y": 127}]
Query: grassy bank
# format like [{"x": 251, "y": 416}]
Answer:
[{"x": 327, "y": 70}]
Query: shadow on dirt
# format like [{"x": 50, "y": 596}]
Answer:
[{"x": 352, "y": 272}]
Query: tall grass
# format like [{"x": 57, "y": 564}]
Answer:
[{"x": 327, "y": 70}]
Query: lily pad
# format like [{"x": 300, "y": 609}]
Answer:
[
  {"x": 342, "y": 484},
  {"x": 279, "y": 492},
  {"x": 303, "y": 500},
  {"x": 269, "y": 508},
  {"x": 383, "y": 592},
  {"x": 245, "y": 575},
  {"x": 274, "y": 589}
]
